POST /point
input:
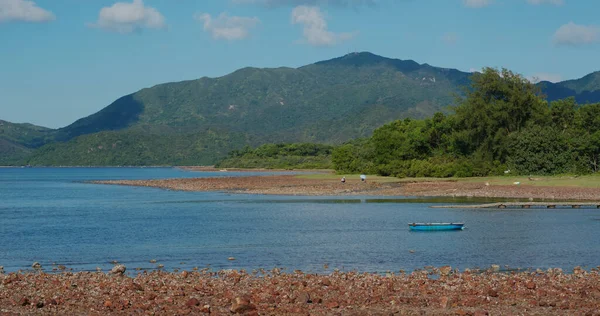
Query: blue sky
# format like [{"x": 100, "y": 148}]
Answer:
[{"x": 61, "y": 60}]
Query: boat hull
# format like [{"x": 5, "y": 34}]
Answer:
[{"x": 435, "y": 226}]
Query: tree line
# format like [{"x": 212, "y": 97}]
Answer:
[{"x": 502, "y": 122}]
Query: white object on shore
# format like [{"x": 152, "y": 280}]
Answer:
[{"x": 517, "y": 183}]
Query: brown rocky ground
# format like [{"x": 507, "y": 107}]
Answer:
[
  {"x": 274, "y": 293},
  {"x": 292, "y": 185}
]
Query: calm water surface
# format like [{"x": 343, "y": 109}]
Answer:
[{"x": 49, "y": 215}]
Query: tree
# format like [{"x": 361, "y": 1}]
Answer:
[{"x": 497, "y": 104}]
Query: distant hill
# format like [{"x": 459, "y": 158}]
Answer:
[
  {"x": 199, "y": 121},
  {"x": 17, "y": 141},
  {"x": 585, "y": 90}
]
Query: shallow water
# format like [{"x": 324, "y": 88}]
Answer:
[{"x": 49, "y": 215}]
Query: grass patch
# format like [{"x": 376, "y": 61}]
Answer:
[{"x": 587, "y": 181}]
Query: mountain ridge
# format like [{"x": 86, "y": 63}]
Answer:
[{"x": 330, "y": 101}]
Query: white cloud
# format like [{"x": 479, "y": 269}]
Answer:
[
  {"x": 538, "y": 2},
  {"x": 276, "y": 3},
  {"x": 450, "y": 38},
  {"x": 125, "y": 17},
  {"x": 542, "y": 76},
  {"x": 227, "y": 27},
  {"x": 477, "y": 3},
  {"x": 572, "y": 34},
  {"x": 23, "y": 10},
  {"x": 315, "y": 30}
]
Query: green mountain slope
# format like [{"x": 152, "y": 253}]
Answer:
[
  {"x": 585, "y": 90},
  {"x": 17, "y": 141},
  {"x": 327, "y": 102},
  {"x": 200, "y": 121}
]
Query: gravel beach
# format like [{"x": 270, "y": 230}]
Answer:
[
  {"x": 228, "y": 292},
  {"x": 292, "y": 185}
]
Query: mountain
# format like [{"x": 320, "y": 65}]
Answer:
[
  {"x": 17, "y": 141},
  {"x": 585, "y": 90},
  {"x": 199, "y": 121}
]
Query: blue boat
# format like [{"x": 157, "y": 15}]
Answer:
[{"x": 435, "y": 226}]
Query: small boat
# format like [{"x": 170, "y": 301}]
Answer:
[{"x": 436, "y": 226}]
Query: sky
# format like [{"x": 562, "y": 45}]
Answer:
[{"x": 61, "y": 60}]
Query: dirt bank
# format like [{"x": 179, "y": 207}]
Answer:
[{"x": 292, "y": 185}]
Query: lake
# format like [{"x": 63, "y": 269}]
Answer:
[{"x": 50, "y": 216}]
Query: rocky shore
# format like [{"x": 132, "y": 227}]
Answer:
[
  {"x": 431, "y": 291},
  {"x": 293, "y": 185}
]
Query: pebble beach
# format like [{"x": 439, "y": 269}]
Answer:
[
  {"x": 431, "y": 291},
  {"x": 292, "y": 185}
]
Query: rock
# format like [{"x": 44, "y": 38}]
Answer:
[
  {"x": 241, "y": 305},
  {"x": 495, "y": 268},
  {"x": 192, "y": 302},
  {"x": 160, "y": 266},
  {"x": 24, "y": 301},
  {"x": 530, "y": 285},
  {"x": 107, "y": 304},
  {"x": 50, "y": 301},
  {"x": 480, "y": 313},
  {"x": 445, "y": 270},
  {"x": 36, "y": 265},
  {"x": 492, "y": 293},
  {"x": 444, "y": 302},
  {"x": 205, "y": 309},
  {"x": 153, "y": 261},
  {"x": 325, "y": 282},
  {"x": 303, "y": 297},
  {"x": 39, "y": 304},
  {"x": 332, "y": 304},
  {"x": 231, "y": 258},
  {"x": 1, "y": 269},
  {"x": 118, "y": 269},
  {"x": 578, "y": 270}
]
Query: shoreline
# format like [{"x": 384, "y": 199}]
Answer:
[
  {"x": 303, "y": 186},
  {"x": 432, "y": 291}
]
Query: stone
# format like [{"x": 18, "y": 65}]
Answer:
[
  {"x": 50, "y": 301},
  {"x": 153, "y": 261},
  {"x": 444, "y": 302},
  {"x": 36, "y": 265},
  {"x": 24, "y": 301},
  {"x": 332, "y": 304},
  {"x": 492, "y": 293},
  {"x": 192, "y": 302},
  {"x": 231, "y": 258},
  {"x": 303, "y": 297},
  {"x": 325, "y": 282},
  {"x": 530, "y": 285},
  {"x": 445, "y": 270},
  {"x": 107, "y": 304},
  {"x": 241, "y": 305},
  {"x": 118, "y": 269},
  {"x": 480, "y": 313},
  {"x": 205, "y": 309},
  {"x": 1, "y": 269},
  {"x": 39, "y": 304},
  {"x": 495, "y": 268}
]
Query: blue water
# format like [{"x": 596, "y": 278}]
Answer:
[{"x": 50, "y": 216}]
